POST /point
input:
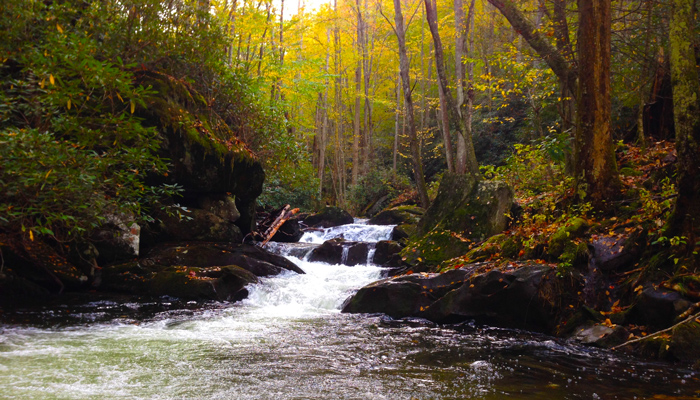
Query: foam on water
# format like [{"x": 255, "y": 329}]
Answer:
[{"x": 352, "y": 232}]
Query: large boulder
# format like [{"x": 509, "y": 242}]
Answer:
[
  {"x": 225, "y": 283},
  {"x": 404, "y": 296},
  {"x": 339, "y": 251},
  {"x": 208, "y": 271},
  {"x": 520, "y": 298},
  {"x": 385, "y": 251},
  {"x": 658, "y": 307},
  {"x": 202, "y": 255},
  {"x": 476, "y": 210},
  {"x": 429, "y": 252},
  {"x": 38, "y": 262},
  {"x": 611, "y": 253},
  {"x": 192, "y": 225},
  {"x": 207, "y": 158},
  {"x": 398, "y": 216},
  {"x": 527, "y": 297},
  {"x": 329, "y": 217}
]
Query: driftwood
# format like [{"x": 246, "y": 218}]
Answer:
[{"x": 284, "y": 214}]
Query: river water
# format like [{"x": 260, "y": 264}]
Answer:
[{"x": 288, "y": 340}]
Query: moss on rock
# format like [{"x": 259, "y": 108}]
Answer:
[
  {"x": 398, "y": 216},
  {"x": 433, "y": 249},
  {"x": 476, "y": 210},
  {"x": 565, "y": 244}
]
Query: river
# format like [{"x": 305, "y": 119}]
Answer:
[{"x": 288, "y": 340}]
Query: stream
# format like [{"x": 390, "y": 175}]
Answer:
[{"x": 288, "y": 340}]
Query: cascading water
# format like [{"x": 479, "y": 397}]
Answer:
[
  {"x": 357, "y": 232},
  {"x": 287, "y": 340}
]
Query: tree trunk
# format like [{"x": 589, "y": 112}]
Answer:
[
  {"x": 447, "y": 140},
  {"x": 471, "y": 166},
  {"x": 324, "y": 124},
  {"x": 340, "y": 153},
  {"x": 406, "y": 85},
  {"x": 356, "y": 163},
  {"x": 396, "y": 122},
  {"x": 594, "y": 158},
  {"x": 367, "y": 46},
  {"x": 685, "y": 218}
]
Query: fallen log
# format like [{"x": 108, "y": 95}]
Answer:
[{"x": 284, "y": 215}]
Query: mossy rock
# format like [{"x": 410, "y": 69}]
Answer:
[
  {"x": 511, "y": 246},
  {"x": 219, "y": 283},
  {"x": 404, "y": 231},
  {"x": 398, "y": 216},
  {"x": 329, "y": 217},
  {"x": 433, "y": 249},
  {"x": 214, "y": 283},
  {"x": 655, "y": 347},
  {"x": 562, "y": 240},
  {"x": 627, "y": 171},
  {"x": 206, "y": 156},
  {"x": 486, "y": 250},
  {"x": 685, "y": 342},
  {"x": 476, "y": 210}
]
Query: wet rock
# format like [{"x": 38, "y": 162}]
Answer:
[
  {"x": 298, "y": 250},
  {"x": 385, "y": 250},
  {"x": 398, "y": 216},
  {"x": 256, "y": 260},
  {"x": 225, "y": 283},
  {"x": 331, "y": 252},
  {"x": 403, "y": 296},
  {"x": 403, "y": 231},
  {"x": 357, "y": 254},
  {"x": 523, "y": 298},
  {"x": 474, "y": 210},
  {"x": 657, "y": 307},
  {"x": 329, "y": 217},
  {"x": 394, "y": 298},
  {"x": 601, "y": 335}
]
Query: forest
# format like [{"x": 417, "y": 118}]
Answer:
[{"x": 577, "y": 122}]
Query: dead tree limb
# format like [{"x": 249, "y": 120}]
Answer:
[{"x": 283, "y": 216}]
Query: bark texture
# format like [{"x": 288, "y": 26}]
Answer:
[
  {"x": 685, "y": 218},
  {"x": 594, "y": 158}
]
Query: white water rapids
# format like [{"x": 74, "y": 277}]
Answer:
[{"x": 288, "y": 340}]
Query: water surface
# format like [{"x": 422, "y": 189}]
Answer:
[{"x": 288, "y": 340}]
